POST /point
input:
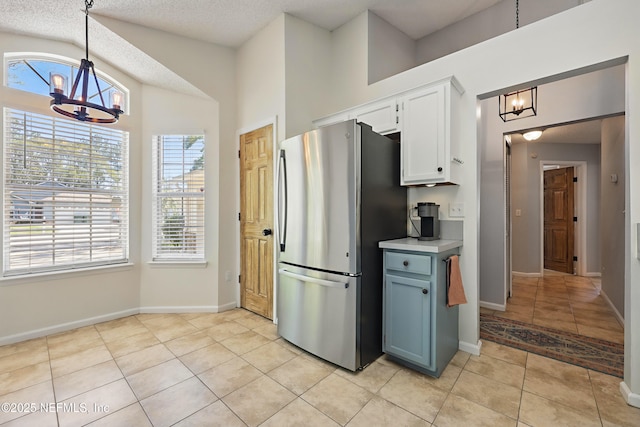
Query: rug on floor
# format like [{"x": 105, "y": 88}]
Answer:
[{"x": 592, "y": 353}]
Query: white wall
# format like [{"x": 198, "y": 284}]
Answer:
[
  {"x": 36, "y": 306},
  {"x": 261, "y": 78},
  {"x": 212, "y": 70},
  {"x": 612, "y": 211},
  {"x": 489, "y": 23},
  {"x": 307, "y": 73},
  {"x": 180, "y": 287},
  {"x": 525, "y": 196},
  {"x": 390, "y": 51}
]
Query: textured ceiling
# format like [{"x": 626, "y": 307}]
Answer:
[
  {"x": 225, "y": 22},
  {"x": 232, "y": 22}
]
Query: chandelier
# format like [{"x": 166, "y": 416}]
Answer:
[
  {"x": 520, "y": 103},
  {"x": 76, "y": 105}
]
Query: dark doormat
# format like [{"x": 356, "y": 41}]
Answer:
[{"x": 591, "y": 353}]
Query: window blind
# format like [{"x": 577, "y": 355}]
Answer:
[
  {"x": 178, "y": 199},
  {"x": 66, "y": 200}
]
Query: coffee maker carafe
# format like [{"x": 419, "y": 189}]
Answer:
[{"x": 429, "y": 222}]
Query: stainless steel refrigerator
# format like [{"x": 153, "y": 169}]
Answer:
[{"x": 339, "y": 194}]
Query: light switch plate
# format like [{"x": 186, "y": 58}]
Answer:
[{"x": 456, "y": 210}]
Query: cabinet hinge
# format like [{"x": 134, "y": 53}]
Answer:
[
  {"x": 575, "y": 258},
  {"x": 239, "y": 278},
  {"x": 239, "y": 154},
  {"x": 575, "y": 219},
  {"x": 575, "y": 179},
  {"x": 239, "y": 216}
]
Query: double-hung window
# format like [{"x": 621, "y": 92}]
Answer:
[
  {"x": 65, "y": 194},
  {"x": 178, "y": 198}
]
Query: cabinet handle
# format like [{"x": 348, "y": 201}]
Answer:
[
  {"x": 440, "y": 169},
  {"x": 425, "y": 291},
  {"x": 405, "y": 263}
]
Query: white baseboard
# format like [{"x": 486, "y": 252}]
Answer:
[
  {"x": 493, "y": 306},
  {"x": 37, "y": 333},
  {"x": 521, "y": 274},
  {"x": 474, "y": 349},
  {"x": 179, "y": 309},
  {"x": 632, "y": 399},
  {"x": 63, "y": 327},
  {"x": 613, "y": 307}
]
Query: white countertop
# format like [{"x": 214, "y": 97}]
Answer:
[{"x": 413, "y": 244}]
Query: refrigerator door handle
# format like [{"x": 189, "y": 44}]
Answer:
[
  {"x": 282, "y": 175},
  {"x": 322, "y": 282}
]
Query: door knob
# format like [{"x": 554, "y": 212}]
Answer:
[
  {"x": 267, "y": 232},
  {"x": 425, "y": 291}
]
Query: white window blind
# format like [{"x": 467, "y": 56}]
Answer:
[
  {"x": 66, "y": 200},
  {"x": 178, "y": 199}
]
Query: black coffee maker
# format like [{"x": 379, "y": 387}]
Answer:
[{"x": 429, "y": 222}]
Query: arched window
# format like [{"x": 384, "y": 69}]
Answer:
[
  {"x": 65, "y": 182},
  {"x": 30, "y": 72}
]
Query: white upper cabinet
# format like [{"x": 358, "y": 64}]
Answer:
[
  {"x": 426, "y": 118},
  {"x": 429, "y": 153},
  {"x": 381, "y": 115},
  {"x": 342, "y": 116}
]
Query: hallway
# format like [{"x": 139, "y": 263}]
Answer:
[{"x": 565, "y": 302}]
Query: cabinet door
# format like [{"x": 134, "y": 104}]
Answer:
[
  {"x": 382, "y": 116},
  {"x": 408, "y": 320},
  {"x": 332, "y": 119},
  {"x": 424, "y": 136}
]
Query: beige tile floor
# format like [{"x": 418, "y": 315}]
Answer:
[
  {"x": 232, "y": 369},
  {"x": 565, "y": 302}
]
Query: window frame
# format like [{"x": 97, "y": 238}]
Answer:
[
  {"x": 183, "y": 256},
  {"x": 121, "y": 227}
]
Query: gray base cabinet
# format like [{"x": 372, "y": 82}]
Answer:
[{"x": 419, "y": 330}]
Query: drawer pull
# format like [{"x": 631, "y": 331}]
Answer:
[
  {"x": 425, "y": 291},
  {"x": 405, "y": 263}
]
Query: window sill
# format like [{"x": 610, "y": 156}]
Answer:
[
  {"x": 173, "y": 263},
  {"x": 62, "y": 274}
]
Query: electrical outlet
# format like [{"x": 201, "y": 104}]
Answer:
[{"x": 456, "y": 210}]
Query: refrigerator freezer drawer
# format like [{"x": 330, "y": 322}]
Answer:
[{"x": 317, "y": 312}]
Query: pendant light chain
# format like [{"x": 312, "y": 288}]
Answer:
[
  {"x": 517, "y": 14},
  {"x": 88, "y": 5}
]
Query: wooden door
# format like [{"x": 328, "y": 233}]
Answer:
[
  {"x": 256, "y": 221},
  {"x": 558, "y": 220}
]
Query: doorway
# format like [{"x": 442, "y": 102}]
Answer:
[{"x": 256, "y": 221}]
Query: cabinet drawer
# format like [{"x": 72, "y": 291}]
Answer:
[{"x": 411, "y": 263}]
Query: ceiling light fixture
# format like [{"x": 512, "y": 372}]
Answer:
[
  {"x": 77, "y": 105},
  {"x": 521, "y": 103},
  {"x": 532, "y": 135}
]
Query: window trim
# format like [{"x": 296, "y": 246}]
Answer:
[
  {"x": 14, "y": 275},
  {"x": 174, "y": 260}
]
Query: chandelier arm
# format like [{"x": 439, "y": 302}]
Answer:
[
  {"x": 72, "y": 94},
  {"x": 95, "y": 78}
]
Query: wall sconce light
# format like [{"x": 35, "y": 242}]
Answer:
[{"x": 519, "y": 104}]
